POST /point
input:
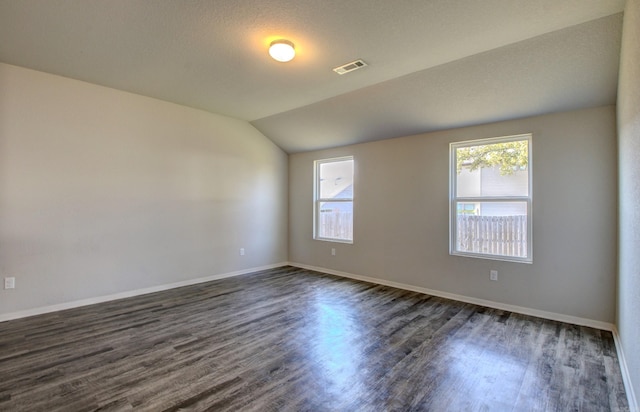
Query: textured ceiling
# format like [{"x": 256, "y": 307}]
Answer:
[
  {"x": 433, "y": 64},
  {"x": 564, "y": 70}
]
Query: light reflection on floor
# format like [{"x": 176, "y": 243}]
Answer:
[
  {"x": 486, "y": 375},
  {"x": 482, "y": 377},
  {"x": 337, "y": 348}
]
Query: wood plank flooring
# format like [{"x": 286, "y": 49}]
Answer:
[{"x": 295, "y": 340}]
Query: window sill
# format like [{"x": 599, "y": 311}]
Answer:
[
  {"x": 325, "y": 239},
  {"x": 493, "y": 257}
]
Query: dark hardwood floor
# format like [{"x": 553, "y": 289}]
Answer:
[{"x": 296, "y": 340}]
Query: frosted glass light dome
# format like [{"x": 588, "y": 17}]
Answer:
[{"x": 282, "y": 50}]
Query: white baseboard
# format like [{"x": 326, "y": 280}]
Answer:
[
  {"x": 90, "y": 301},
  {"x": 633, "y": 404},
  {"x": 626, "y": 377},
  {"x": 481, "y": 302}
]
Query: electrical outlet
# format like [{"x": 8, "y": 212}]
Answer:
[
  {"x": 241, "y": 251},
  {"x": 10, "y": 283},
  {"x": 333, "y": 251},
  {"x": 493, "y": 275}
]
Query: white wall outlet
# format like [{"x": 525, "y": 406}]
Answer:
[
  {"x": 241, "y": 251},
  {"x": 333, "y": 251},
  {"x": 10, "y": 283},
  {"x": 493, "y": 275}
]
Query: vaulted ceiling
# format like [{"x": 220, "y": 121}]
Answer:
[{"x": 432, "y": 64}]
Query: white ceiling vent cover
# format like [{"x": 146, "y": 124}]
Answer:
[{"x": 349, "y": 67}]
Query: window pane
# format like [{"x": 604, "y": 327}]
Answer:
[
  {"x": 336, "y": 180},
  {"x": 498, "y": 169},
  {"x": 494, "y": 228},
  {"x": 335, "y": 220}
]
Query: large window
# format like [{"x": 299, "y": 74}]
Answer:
[
  {"x": 333, "y": 200},
  {"x": 490, "y": 197}
]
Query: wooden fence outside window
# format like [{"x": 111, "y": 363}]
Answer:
[{"x": 495, "y": 235}]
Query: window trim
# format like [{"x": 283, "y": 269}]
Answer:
[
  {"x": 454, "y": 199},
  {"x": 317, "y": 200}
]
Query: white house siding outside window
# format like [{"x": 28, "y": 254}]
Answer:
[
  {"x": 490, "y": 198},
  {"x": 333, "y": 200}
]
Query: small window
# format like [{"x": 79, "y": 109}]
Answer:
[
  {"x": 490, "y": 192},
  {"x": 333, "y": 200}
]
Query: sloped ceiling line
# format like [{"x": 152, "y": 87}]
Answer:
[{"x": 428, "y": 65}]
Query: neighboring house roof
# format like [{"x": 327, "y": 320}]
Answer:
[{"x": 346, "y": 193}]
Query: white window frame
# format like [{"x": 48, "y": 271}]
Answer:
[
  {"x": 454, "y": 199},
  {"x": 317, "y": 200}
]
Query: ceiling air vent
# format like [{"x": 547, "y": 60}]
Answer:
[{"x": 349, "y": 67}]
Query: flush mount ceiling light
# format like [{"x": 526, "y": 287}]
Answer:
[{"x": 282, "y": 50}]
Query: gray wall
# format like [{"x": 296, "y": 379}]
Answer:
[
  {"x": 629, "y": 154},
  {"x": 103, "y": 191},
  {"x": 401, "y": 216}
]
